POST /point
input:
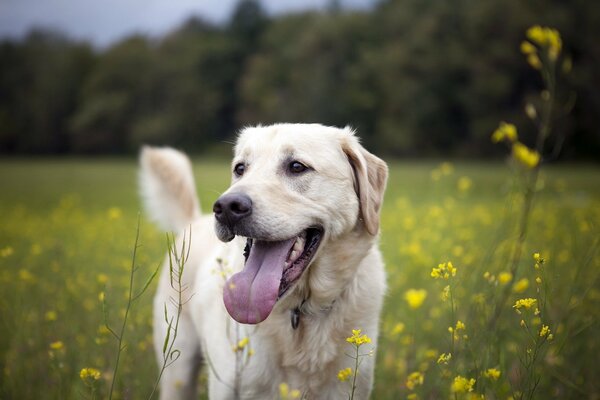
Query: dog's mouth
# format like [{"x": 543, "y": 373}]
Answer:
[{"x": 270, "y": 270}]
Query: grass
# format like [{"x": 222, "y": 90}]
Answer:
[{"x": 69, "y": 225}]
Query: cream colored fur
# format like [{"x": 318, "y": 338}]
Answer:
[{"x": 343, "y": 287}]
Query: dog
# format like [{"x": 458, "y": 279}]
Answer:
[{"x": 281, "y": 272}]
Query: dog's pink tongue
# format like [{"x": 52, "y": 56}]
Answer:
[{"x": 250, "y": 295}]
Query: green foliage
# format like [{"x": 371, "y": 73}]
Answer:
[{"x": 415, "y": 78}]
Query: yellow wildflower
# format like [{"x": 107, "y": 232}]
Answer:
[
  {"x": 446, "y": 293},
  {"x": 398, "y": 328},
  {"x": 464, "y": 183},
  {"x": 114, "y": 213},
  {"x": 534, "y": 61},
  {"x": 462, "y": 385},
  {"x": 89, "y": 374},
  {"x": 504, "y": 277},
  {"x": 444, "y": 358},
  {"x": 414, "y": 379},
  {"x": 539, "y": 260},
  {"x": 241, "y": 344},
  {"x": 58, "y": 345},
  {"x": 344, "y": 374},
  {"x": 26, "y": 276},
  {"x": 524, "y": 303},
  {"x": 546, "y": 37},
  {"x": 50, "y": 316},
  {"x": 544, "y": 331},
  {"x": 524, "y": 155},
  {"x": 521, "y": 285},
  {"x": 443, "y": 271},
  {"x": 358, "y": 339},
  {"x": 492, "y": 373},
  {"x": 415, "y": 297},
  {"x": 7, "y": 251},
  {"x": 538, "y": 280},
  {"x": 460, "y": 326},
  {"x": 505, "y": 131},
  {"x": 527, "y": 48}
]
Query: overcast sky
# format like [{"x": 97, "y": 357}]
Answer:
[{"x": 106, "y": 21}]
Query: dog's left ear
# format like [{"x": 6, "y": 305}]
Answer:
[{"x": 370, "y": 177}]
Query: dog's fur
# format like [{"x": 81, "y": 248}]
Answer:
[{"x": 342, "y": 288}]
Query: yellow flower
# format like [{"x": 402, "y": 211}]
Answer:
[
  {"x": 415, "y": 297},
  {"x": 544, "y": 331},
  {"x": 241, "y": 344},
  {"x": 534, "y": 61},
  {"x": 443, "y": 271},
  {"x": 50, "y": 316},
  {"x": 524, "y": 155},
  {"x": 536, "y": 35},
  {"x": 524, "y": 303},
  {"x": 464, "y": 183},
  {"x": 26, "y": 276},
  {"x": 505, "y": 131},
  {"x": 444, "y": 358},
  {"x": 414, "y": 379},
  {"x": 504, "y": 277},
  {"x": 546, "y": 37},
  {"x": 538, "y": 280},
  {"x": 527, "y": 48},
  {"x": 89, "y": 374},
  {"x": 462, "y": 385},
  {"x": 446, "y": 293},
  {"x": 398, "y": 328},
  {"x": 285, "y": 393},
  {"x": 102, "y": 278},
  {"x": 358, "y": 339},
  {"x": 492, "y": 373},
  {"x": 539, "y": 260},
  {"x": 114, "y": 213},
  {"x": 521, "y": 285},
  {"x": 344, "y": 374},
  {"x": 460, "y": 326},
  {"x": 58, "y": 345},
  {"x": 7, "y": 251}
]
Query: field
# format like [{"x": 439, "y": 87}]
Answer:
[{"x": 67, "y": 232}]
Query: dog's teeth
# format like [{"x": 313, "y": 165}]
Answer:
[{"x": 296, "y": 251}]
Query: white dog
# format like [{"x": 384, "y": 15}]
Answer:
[{"x": 293, "y": 268}]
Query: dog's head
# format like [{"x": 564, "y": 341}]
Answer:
[{"x": 295, "y": 188}]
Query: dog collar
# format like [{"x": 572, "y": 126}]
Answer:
[
  {"x": 295, "y": 317},
  {"x": 298, "y": 311}
]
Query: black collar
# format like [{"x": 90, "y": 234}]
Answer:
[
  {"x": 295, "y": 315},
  {"x": 298, "y": 311}
]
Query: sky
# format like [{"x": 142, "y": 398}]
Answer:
[{"x": 106, "y": 21}]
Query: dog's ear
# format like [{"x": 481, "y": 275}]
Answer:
[{"x": 370, "y": 177}]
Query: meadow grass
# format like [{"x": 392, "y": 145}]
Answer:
[{"x": 68, "y": 228}]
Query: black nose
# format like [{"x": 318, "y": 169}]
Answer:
[{"x": 230, "y": 208}]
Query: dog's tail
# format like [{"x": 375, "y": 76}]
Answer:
[{"x": 167, "y": 187}]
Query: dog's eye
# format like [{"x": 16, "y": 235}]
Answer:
[
  {"x": 297, "y": 167},
  {"x": 239, "y": 169}
]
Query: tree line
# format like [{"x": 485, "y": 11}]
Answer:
[{"x": 415, "y": 78}]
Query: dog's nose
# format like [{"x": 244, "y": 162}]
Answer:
[{"x": 231, "y": 208}]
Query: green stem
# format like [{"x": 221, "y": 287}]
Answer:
[{"x": 129, "y": 301}]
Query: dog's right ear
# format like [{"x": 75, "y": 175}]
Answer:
[{"x": 370, "y": 177}]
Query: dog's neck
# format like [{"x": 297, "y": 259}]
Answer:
[{"x": 316, "y": 295}]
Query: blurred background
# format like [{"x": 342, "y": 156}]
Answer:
[{"x": 416, "y": 78}]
